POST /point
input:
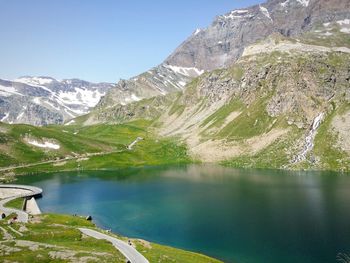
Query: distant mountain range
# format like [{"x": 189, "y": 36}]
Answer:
[{"x": 45, "y": 100}]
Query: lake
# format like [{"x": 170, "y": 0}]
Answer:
[{"x": 243, "y": 216}]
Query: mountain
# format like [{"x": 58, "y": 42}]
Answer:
[
  {"x": 281, "y": 102},
  {"x": 159, "y": 80},
  {"x": 45, "y": 100},
  {"x": 223, "y": 42}
]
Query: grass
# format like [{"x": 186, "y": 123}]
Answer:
[
  {"x": 217, "y": 119},
  {"x": 57, "y": 239},
  {"x": 110, "y": 139},
  {"x": 149, "y": 151},
  {"x": 331, "y": 156},
  {"x": 275, "y": 156},
  {"x": 253, "y": 121},
  {"x": 16, "y": 203},
  {"x": 14, "y": 149},
  {"x": 160, "y": 253}
]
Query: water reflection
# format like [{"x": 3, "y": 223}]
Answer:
[{"x": 237, "y": 215}]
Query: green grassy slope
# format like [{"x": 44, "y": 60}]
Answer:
[
  {"x": 55, "y": 238},
  {"x": 112, "y": 140}
]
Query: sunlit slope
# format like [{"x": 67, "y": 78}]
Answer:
[
  {"x": 284, "y": 104},
  {"x": 93, "y": 147}
]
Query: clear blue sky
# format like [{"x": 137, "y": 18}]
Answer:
[{"x": 100, "y": 40}]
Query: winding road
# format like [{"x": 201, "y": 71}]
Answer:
[
  {"x": 24, "y": 191},
  {"x": 128, "y": 251}
]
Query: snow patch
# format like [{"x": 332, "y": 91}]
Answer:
[
  {"x": 132, "y": 98},
  {"x": 285, "y": 3},
  {"x": 69, "y": 123},
  {"x": 240, "y": 11},
  {"x": 37, "y": 101},
  {"x": 8, "y": 91},
  {"x": 345, "y": 30},
  {"x": 182, "y": 83},
  {"x": 20, "y": 115},
  {"x": 237, "y": 14},
  {"x": 5, "y": 117},
  {"x": 265, "y": 12},
  {"x": 135, "y": 98},
  {"x": 304, "y": 2},
  {"x": 344, "y": 26},
  {"x": 81, "y": 96},
  {"x": 190, "y": 72},
  {"x": 198, "y": 30},
  {"x": 34, "y": 80},
  {"x": 343, "y": 22},
  {"x": 46, "y": 144}
]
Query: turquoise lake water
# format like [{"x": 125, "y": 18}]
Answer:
[{"x": 243, "y": 216}]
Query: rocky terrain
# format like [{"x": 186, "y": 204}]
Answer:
[
  {"x": 284, "y": 103},
  {"x": 44, "y": 100},
  {"x": 159, "y": 80},
  {"x": 223, "y": 43}
]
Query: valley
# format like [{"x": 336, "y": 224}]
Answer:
[{"x": 235, "y": 146}]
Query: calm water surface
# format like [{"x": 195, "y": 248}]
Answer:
[{"x": 243, "y": 216}]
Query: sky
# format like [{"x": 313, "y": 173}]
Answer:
[{"x": 98, "y": 40}]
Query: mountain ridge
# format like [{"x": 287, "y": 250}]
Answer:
[{"x": 45, "y": 100}]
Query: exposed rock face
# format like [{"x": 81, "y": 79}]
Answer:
[
  {"x": 160, "y": 80},
  {"x": 223, "y": 42},
  {"x": 44, "y": 100}
]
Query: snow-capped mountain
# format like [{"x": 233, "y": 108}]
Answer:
[
  {"x": 223, "y": 42},
  {"x": 157, "y": 81},
  {"x": 45, "y": 100}
]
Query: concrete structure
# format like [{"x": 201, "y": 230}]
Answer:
[{"x": 9, "y": 192}]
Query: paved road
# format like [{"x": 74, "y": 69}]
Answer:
[
  {"x": 21, "y": 215},
  {"x": 128, "y": 251}
]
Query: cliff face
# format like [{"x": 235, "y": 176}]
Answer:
[{"x": 223, "y": 42}]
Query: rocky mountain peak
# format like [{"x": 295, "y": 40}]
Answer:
[{"x": 222, "y": 43}]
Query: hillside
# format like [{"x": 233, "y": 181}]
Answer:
[
  {"x": 56, "y": 238},
  {"x": 27, "y": 149},
  {"x": 283, "y": 104}
]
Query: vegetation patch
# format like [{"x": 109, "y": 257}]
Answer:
[{"x": 56, "y": 238}]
